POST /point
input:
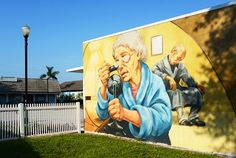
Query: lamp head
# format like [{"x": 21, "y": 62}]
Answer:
[{"x": 26, "y": 31}]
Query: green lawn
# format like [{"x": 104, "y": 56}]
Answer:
[{"x": 75, "y": 145}]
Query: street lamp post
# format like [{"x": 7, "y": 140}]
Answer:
[{"x": 26, "y": 31}]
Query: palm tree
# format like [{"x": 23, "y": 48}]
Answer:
[{"x": 49, "y": 75}]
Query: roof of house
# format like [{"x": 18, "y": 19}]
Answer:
[
  {"x": 34, "y": 86},
  {"x": 76, "y": 69},
  {"x": 72, "y": 86}
]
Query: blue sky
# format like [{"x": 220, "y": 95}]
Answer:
[{"x": 59, "y": 27}]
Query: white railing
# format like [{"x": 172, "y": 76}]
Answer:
[
  {"x": 9, "y": 124},
  {"x": 39, "y": 119}
]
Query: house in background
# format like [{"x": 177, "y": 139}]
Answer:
[
  {"x": 72, "y": 88},
  {"x": 12, "y": 90}
]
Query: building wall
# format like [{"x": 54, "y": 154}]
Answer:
[{"x": 210, "y": 60}]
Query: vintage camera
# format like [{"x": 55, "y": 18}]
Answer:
[
  {"x": 115, "y": 88},
  {"x": 114, "y": 83}
]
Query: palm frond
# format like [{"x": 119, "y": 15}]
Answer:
[
  {"x": 54, "y": 78},
  {"x": 43, "y": 76}
]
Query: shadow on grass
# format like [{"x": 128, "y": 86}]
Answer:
[{"x": 17, "y": 148}]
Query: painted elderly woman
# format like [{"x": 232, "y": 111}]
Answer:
[{"x": 143, "y": 108}]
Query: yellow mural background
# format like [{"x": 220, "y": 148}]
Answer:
[{"x": 96, "y": 52}]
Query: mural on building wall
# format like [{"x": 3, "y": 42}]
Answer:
[
  {"x": 166, "y": 82},
  {"x": 135, "y": 99}
]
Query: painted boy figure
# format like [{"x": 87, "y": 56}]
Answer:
[
  {"x": 181, "y": 87},
  {"x": 143, "y": 108}
]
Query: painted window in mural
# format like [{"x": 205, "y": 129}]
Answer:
[{"x": 157, "y": 45}]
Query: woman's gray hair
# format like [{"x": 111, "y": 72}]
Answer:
[{"x": 133, "y": 40}]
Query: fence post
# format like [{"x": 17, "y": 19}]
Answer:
[
  {"x": 78, "y": 117},
  {"x": 21, "y": 119}
]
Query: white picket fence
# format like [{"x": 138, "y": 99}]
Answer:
[{"x": 17, "y": 120}]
